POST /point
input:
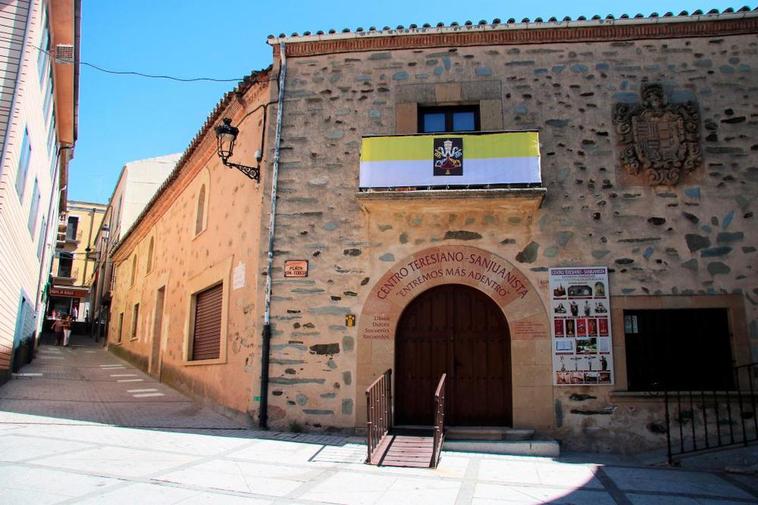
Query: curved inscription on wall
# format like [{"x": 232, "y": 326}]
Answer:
[{"x": 453, "y": 264}]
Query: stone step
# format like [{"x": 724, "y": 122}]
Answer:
[
  {"x": 492, "y": 433},
  {"x": 544, "y": 448}
]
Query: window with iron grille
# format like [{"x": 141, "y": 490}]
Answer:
[{"x": 206, "y": 330}]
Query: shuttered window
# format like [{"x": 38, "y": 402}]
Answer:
[{"x": 206, "y": 337}]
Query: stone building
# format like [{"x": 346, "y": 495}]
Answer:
[{"x": 429, "y": 179}]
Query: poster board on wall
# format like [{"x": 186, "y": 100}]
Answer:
[{"x": 580, "y": 314}]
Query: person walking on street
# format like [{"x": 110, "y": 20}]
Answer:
[
  {"x": 67, "y": 324},
  {"x": 58, "y": 331}
]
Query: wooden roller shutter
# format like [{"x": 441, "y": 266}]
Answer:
[{"x": 206, "y": 341}]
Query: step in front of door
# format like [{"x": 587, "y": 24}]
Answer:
[
  {"x": 544, "y": 448},
  {"x": 492, "y": 433}
]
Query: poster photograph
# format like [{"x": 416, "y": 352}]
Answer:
[{"x": 582, "y": 348}]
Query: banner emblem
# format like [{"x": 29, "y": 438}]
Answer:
[{"x": 448, "y": 156}]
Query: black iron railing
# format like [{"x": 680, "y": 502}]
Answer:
[
  {"x": 439, "y": 421},
  {"x": 700, "y": 420},
  {"x": 379, "y": 419}
]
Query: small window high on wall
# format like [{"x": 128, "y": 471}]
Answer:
[
  {"x": 464, "y": 118},
  {"x": 200, "y": 215},
  {"x": 150, "y": 249},
  {"x": 678, "y": 349}
]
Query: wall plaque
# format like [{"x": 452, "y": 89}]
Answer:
[
  {"x": 657, "y": 140},
  {"x": 296, "y": 268}
]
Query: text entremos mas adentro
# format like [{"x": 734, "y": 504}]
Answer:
[{"x": 496, "y": 277}]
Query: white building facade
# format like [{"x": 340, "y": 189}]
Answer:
[
  {"x": 136, "y": 186},
  {"x": 39, "y": 54}
]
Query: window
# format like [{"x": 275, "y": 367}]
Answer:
[
  {"x": 150, "y": 255},
  {"x": 43, "y": 57},
  {"x": 120, "y": 327},
  {"x": 200, "y": 217},
  {"x": 41, "y": 243},
  {"x": 54, "y": 160},
  {"x": 48, "y": 101},
  {"x": 206, "y": 334},
  {"x": 679, "y": 349},
  {"x": 23, "y": 165},
  {"x": 34, "y": 208},
  {"x": 448, "y": 119},
  {"x": 134, "y": 269},
  {"x": 135, "y": 322},
  {"x": 52, "y": 143},
  {"x": 72, "y": 228},
  {"x": 65, "y": 264}
]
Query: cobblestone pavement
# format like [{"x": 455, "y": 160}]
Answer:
[{"x": 71, "y": 432}]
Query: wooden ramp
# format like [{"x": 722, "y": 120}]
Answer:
[
  {"x": 417, "y": 447},
  {"x": 409, "y": 451}
]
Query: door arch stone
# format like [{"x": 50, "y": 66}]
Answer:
[{"x": 484, "y": 270}]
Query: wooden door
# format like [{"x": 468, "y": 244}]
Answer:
[{"x": 460, "y": 331}]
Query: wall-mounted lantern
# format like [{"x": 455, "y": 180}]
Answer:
[{"x": 226, "y": 135}]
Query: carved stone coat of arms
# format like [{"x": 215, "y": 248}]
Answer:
[{"x": 658, "y": 140}]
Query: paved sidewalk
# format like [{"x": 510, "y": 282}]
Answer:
[{"x": 75, "y": 434}]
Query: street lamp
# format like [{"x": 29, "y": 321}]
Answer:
[{"x": 226, "y": 135}]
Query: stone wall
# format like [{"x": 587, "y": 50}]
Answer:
[{"x": 690, "y": 239}]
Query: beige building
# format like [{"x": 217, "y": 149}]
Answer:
[
  {"x": 74, "y": 263},
  {"x": 196, "y": 239},
  {"x": 557, "y": 215}
]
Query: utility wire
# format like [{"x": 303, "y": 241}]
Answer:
[
  {"x": 155, "y": 76},
  {"x": 128, "y": 72}
]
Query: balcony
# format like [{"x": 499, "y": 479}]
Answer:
[
  {"x": 458, "y": 169},
  {"x": 64, "y": 279}
]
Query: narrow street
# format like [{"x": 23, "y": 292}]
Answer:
[{"x": 81, "y": 426}]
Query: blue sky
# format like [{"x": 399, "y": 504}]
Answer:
[{"x": 125, "y": 118}]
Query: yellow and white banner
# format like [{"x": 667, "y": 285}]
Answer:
[{"x": 450, "y": 160}]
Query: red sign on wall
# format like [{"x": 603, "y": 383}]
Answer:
[
  {"x": 296, "y": 268},
  {"x": 70, "y": 292}
]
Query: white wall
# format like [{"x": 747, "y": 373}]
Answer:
[{"x": 19, "y": 263}]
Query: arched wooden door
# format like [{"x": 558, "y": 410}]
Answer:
[{"x": 458, "y": 330}]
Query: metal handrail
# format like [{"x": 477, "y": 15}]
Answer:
[
  {"x": 379, "y": 413},
  {"x": 439, "y": 421}
]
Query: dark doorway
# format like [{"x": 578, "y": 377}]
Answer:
[
  {"x": 460, "y": 331},
  {"x": 683, "y": 349}
]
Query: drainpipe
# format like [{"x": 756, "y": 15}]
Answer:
[{"x": 266, "y": 347}]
